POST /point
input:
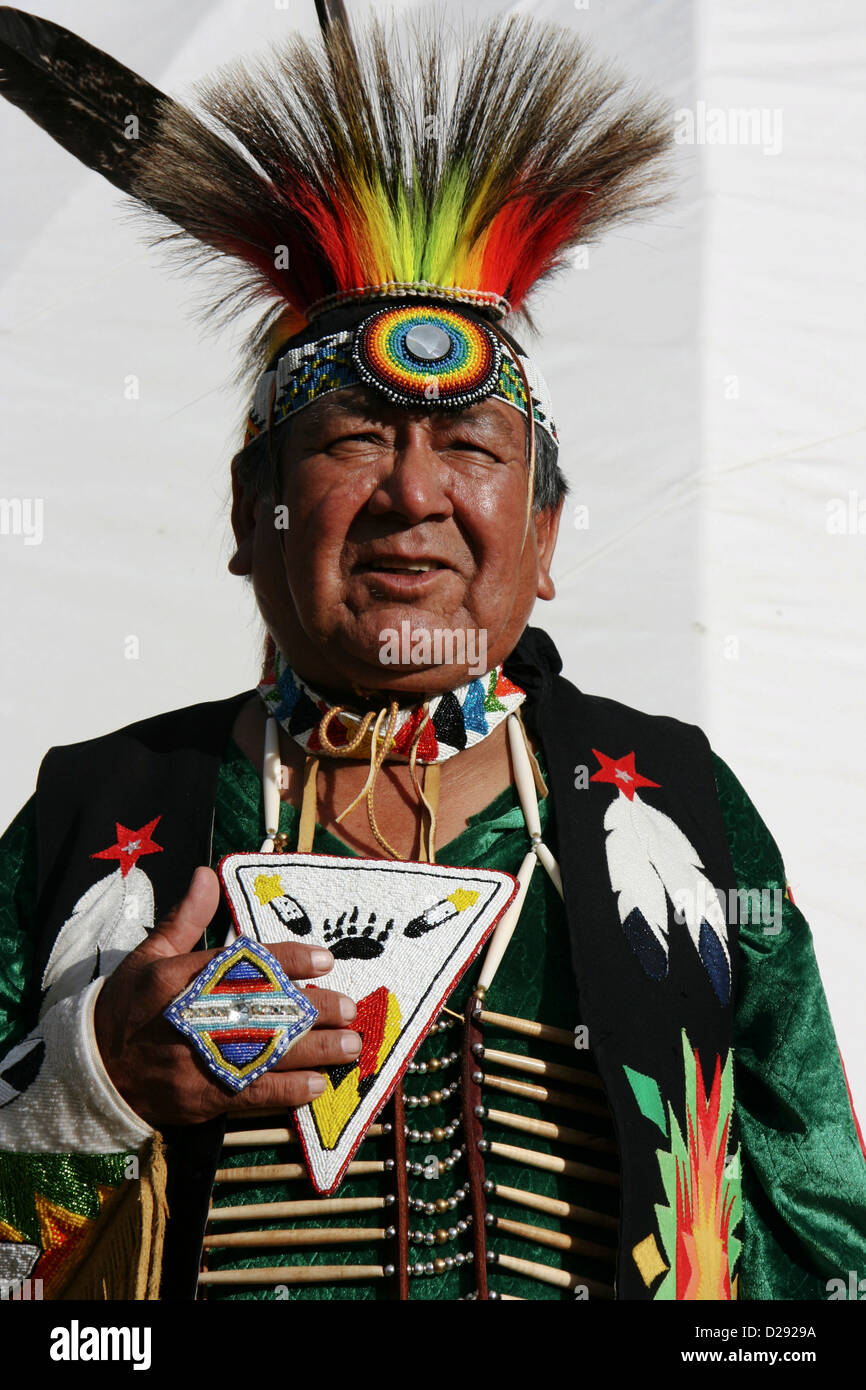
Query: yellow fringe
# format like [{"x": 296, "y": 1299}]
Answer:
[{"x": 124, "y": 1260}]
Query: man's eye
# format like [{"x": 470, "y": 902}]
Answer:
[
  {"x": 471, "y": 446},
  {"x": 360, "y": 438}
]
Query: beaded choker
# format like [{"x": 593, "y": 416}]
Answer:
[{"x": 429, "y": 732}]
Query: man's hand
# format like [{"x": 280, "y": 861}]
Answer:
[{"x": 156, "y": 1070}]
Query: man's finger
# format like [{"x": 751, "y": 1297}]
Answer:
[
  {"x": 334, "y": 1010},
  {"x": 183, "y": 927},
  {"x": 326, "y": 1047},
  {"x": 278, "y": 1090}
]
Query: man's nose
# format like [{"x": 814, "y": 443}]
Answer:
[{"x": 414, "y": 484}]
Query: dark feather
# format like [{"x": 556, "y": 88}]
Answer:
[
  {"x": 489, "y": 153},
  {"x": 78, "y": 94},
  {"x": 555, "y": 150}
]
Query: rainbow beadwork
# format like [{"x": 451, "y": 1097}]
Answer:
[
  {"x": 242, "y": 1013},
  {"x": 425, "y": 353}
]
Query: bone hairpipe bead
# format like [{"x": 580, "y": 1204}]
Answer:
[
  {"x": 528, "y": 1028},
  {"x": 544, "y": 1274},
  {"x": 550, "y": 865},
  {"x": 286, "y": 1172},
  {"x": 554, "y": 1206},
  {"x": 281, "y": 1211},
  {"x": 556, "y": 1240},
  {"x": 552, "y": 1163},
  {"x": 544, "y": 1129},
  {"x": 538, "y": 1067},
  {"x": 543, "y": 1094},
  {"x": 271, "y": 782},
  {"x": 258, "y": 1138},
  {"x": 295, "y": 1274},
  {"x": 506, "y": 925},
  {"x": 322, "y": 1235},
  {"x": 523, "y": 776},
  {"x": 262, "y": 1138}
]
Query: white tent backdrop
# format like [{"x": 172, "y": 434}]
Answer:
[{"x": 703, "y": 368}]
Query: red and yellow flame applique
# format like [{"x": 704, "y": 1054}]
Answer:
[
  {"x": 378, "y": 1021},
  {"x": 702, "y": 1186},
  {"x": 704, "y": 1199}
]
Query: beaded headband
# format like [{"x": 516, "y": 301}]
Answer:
[{"x": 425, "y": 355}]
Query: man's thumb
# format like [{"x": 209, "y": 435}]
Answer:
[{"x": 182, "y": 928}]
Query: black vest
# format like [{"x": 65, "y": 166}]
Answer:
[{"x": 168, "y": 767}]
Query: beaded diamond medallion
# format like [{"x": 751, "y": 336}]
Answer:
[{"x": 242, "y": 1013}]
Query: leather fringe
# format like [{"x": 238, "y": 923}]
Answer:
[{"x": 124, "y": 1261}]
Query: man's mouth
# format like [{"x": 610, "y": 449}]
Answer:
[{"x": 400, "y": 566}]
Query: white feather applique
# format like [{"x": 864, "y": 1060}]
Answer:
[
  {"x": 651, "y": 861},
  {"x": 108, "y": 921}
]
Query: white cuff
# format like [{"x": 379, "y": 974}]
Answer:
[{"x": 71, "y": 1105}]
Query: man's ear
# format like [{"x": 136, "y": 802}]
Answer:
[
  {"x": 546, "y": 531},
  {"x": 243, "y": 523}
]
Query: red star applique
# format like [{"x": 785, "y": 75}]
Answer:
[
  {"x": 131, "y": 845},
  {"x": 620, "y": 773}
]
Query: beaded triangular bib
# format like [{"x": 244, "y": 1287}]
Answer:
[
  {"x": 401, "y": 936},
  {"x": 457, "y": 719}
]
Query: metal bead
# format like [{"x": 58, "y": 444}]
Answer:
[
  {"x": 449, "y": 1262},
  {"x": 483, "y": 1145},
  {"x": 492, "y": 1257},
  {"x": 489, "y": 1185},
  {"x": 439, "y": 1134},
  {"x": 460, "y": 1259},
  {"x": 418, "y": 1268},
  {"x": 462, "y": 1226},
  {"x": 429, "y": 1238},
  {"x": 450, "y": 1204},
  {"x": 439, "y": 1266},
  {"x": 441, "y": 1236},
  {"x": 477, "y": 1077},
  {"x": 441, "y": 1203},
  {"x": 434, "y": 1064},
  {"x": 389, "y": 1271},
  {"x": 480, "y": 1112},
  {"x": 452, "y": 1232},
  {"x": 390, "y": 1199},
  {"x": 435, "y": 1098},
  {"x": 422, "y": 1100},
  {"x": 490, "y": 1219},
  {"x": 389, "y": 1165},
  {"x": 426, "y": 1136},
  {"x": 429, "y": 1208},
  {"x": 386, "y": 1129},
  {"x": 390, "y": 1232},
  {"x": 428, "y": 1268}
]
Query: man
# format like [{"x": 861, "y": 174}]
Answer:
[{"x": 585, "y": 1136}]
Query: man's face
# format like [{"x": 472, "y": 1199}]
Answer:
[{"x": 396, "y": 517}]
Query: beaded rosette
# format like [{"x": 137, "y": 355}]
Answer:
[{"x": 427, "y": 353}]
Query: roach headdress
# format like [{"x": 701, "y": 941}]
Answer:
[{"x": 387, "y": 196}]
